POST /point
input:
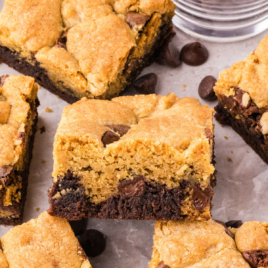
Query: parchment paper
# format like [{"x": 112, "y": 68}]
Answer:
[{"x": 242, "y": 184}]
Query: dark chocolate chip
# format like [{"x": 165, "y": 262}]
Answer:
[
  {"x": 146, "y": 84},
  {"x": 136, "y": 19},
  {"x": 120, "y": 129},
  {"x": 205, "y": 89},
  {"x": 234, "y": 224},
  {"x": 62, "y": 40},
  {"x": 132, "y": 188},
  {"x": 194, "y": 54},
  {"x": 169, "y": 55},
  {"x": 256, "y": 258},
  {"x": 3, "y": 79},
  {"x": 93, "y": 242},
  {"x": 79, "y": 226},
  {"x": 227, "y": 231},
  {"x": 201, "y": 197},
  {"x": 109, "y": 137},
  {"x": 162, "y": 265},
  {"x": 5, "y": 171}
]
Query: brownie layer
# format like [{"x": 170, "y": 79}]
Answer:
[
  {"x": 18, "y": 208},
  {"x": 256, "y": 258},
  {"x": 136, "y": 199},
  {"x": 244, "y": 127},
  {"x": 132, "y": 69}
]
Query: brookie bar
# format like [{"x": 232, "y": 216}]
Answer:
[
  {"x": 18, "y": 118},
  {"x": 135, "y": 157},
  {"x": 84, "y": 48}
]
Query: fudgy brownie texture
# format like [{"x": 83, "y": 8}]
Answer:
[
  {"x": 195, "y": 244},
  {"x": 243, "y": 99},
  {"x": 18, "y": 118},
  {"x": 84, "y": 48},
  {"x": 43, "y": 242},
  {"x": 135, "y": 157}
]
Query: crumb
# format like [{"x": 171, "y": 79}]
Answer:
[
  {"x": 184, "y": 85},
  {"x": 57, "y": 96},
  {"x": 42, "y": 129},
  {"x": 229, "y": 159},
  {"x": 231, "y": 151},
  {"x": 248, "y": 152},
  {"x": 184, "y": 90},
  {"x": 43, "y": 161},
  {"x": 225, "y": 137},
  {"x": 37, "y": 209},
  {"x": 48, "y": 110}
]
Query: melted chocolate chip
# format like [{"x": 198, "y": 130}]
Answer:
[
  {"x": 136, "y": 19},
  {"x": 93, "y": 242},
  {"x": 132, "y": 188},
  {"x": 109, "y": 137},
  {"x": 227, "y": 231},
  {"x": 5, "y": 171},
  {"x": 162, "y": 265},
  {"x": 205, "y": 89},
  {"x": 201, "y": 197},
  {"x": 3, "y": 79},
  {"x": 194, "y": 54},
  {"x": 120, "y": 129},
  {"x": 22, "y": 136},
  {"x": 62, "y": 40},
  {"x": 234, "y": 224},
  {"x": 79, "y": 226},
  {"x": 146, "y": 84},
  {"x": 209, "y": 133},
  {"x": 256, "y": 258},
  {"x": 169, "y": 55}
]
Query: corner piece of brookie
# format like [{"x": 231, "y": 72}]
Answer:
[
  {"x": 135, "y": 157},
  {"x": 242, "y": 91}
]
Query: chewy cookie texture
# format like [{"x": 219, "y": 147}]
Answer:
[
  {"x": 18, "y": 118},
  {"x": 243, "y": 99},
  {"x": 43, "y": 242},
  {"x": 209, "y": 244},
  {"x": 135, "y": 157},
  {"x": 83, "y": 48}
]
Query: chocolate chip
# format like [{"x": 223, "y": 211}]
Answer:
[
  {"x": 79, "y": 226},
  {"x": 22, "y": 136},
  {"x": 3, "y": 79},
  {"x": 136, "y": 19},
  {"x": 205, "y": 89},
  {"x": 120, "y": 129},
  {"x": 62, "y": 40},
  {"x": 234, "y": 224},
  {"x": 256, "y": 258},
  {"x": 5, "y": 171},
  {"x": 162, "y": 265},
  {"x": 132, "y": 188},
  {"x": 42, "y": 130},
  {"x": 93, "y": 242},
  {"x": 201, "y": 197},
  {"x": 209, "y": 133},
  {"x": 194, "y": 54},
  {"x": 109, "y": 137},
  {"x": 146, "y": 84},
  {"x": 169, "y": 55},
  {"x": 227, "y": 231}
]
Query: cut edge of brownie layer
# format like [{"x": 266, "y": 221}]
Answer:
[
  {"x": 137, "y": 199},
  {"x": 133, "y": 67},
  {"x": 256, "y": 258},
  {"x": 18, "y": 208},
  {"x": 244, "y": 125}
]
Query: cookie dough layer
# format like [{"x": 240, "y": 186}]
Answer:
[
  {"x": 18, "y": 118},
  {"x": 92, "y": 49},
  {"x": 135, "y": 157},
  {"x": 43, "y": 242},
  {"x": 243, "y": 99}
]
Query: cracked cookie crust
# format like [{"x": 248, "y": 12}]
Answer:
[
  {"x": 83, "y": 48},
  {"x": 18, "y": 118},
  {"x": 135, "y": 157}
]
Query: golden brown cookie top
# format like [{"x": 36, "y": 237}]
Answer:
[
  {"x": 43, "y": 242},
  {"x": 194, "y": 244},
  {"x": 16, "y": 94},
  {"x": 249, "y": 75}
]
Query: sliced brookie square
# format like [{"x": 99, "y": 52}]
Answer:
[
  {"x": 18, "y": 118},
  {"x": 83, "y": 48},
  {"x": 43, "y": 242},
  {"x": 195, "y": 244},
  {"x": 242, "y": 91},
  {"x": 135, "y": 157}
]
